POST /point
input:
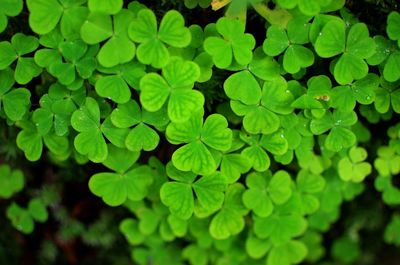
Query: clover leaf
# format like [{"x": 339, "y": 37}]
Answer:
[
  {"x": 12, "y": 181},
  {"x": 23, "y": 219},
  {"x": 118, "y": 48},
  {"x": 393, "y": 28},
  {"x": 199, "y": 139},
  {"x": 266, "y": 190},
  {"x": 362, "y": 91},
  {"x": 337, "y": 122},
  {"x": 179, "y": 194},
  {"x": 282, "y": 225},
  {"x": 175, "y": 86},
  {"x": 9, "y": 8},
  {"x": 308, "y": 186},
  {"x": 309, "y": 7},
  {"x": 14, "y": 102},
  {"x": 142, "y": 136},
  {"x": 259, "y": 158},
  {"x": 152, "y": 48},
  {"x": 352, "y": 167},
  {"x": 260, "y": 107},
  {"x": 26, "y": 68},
  {"x": 392, "y": 231},
  {"x": 355, "y": 48},
  {"x": 116, "y": 188},
  {"x": 229, "y": 220},
  {"x": 115, "y": 82},
  {"x": 387, "y": 95},
  {"x": 290, "y": 42},
  {"x": 45, "y": 15},
  {"x": 233, "y": 43},
  {"x": 292, "y": 252},
  {"x": 105, "y": 6}
]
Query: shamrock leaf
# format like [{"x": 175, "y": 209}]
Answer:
[
  {"x": 14, "y": 102},
  {"x": 337, "y": 122},
  {"x": 105, "y": 6},
  {"x": 199, "y": 139},
  {"x": 295, "y": 55},
  {"x": 142, "y": 136},
  {"x": 356, "y": 47},
  {"x": 116, "y": 82},
  {"x": 26, "y": 68},
  {"x": 152, "y": 48},
  {"x": 234, "y": 165},
  {"x": 234, "y": 43},
  {"x": 264, "y": 190},
  {"x": 120, "y": 159},
  {"x": 9, "y": 8},
  {"x": 12, "y": 181},
  {"x": 259, "y": 107},
  {"x": 393, "y": 28},
  {"x": 292, "y": 252},
  {"x": 392, "y": 231},
  {"x": 387, "y": 95},
  {"x": 178, "y": 195},
  {"x": 259, "y": 158},
  {"x": 23, "y": 219},
  {"x": 116, "y": 188},
  {"x": 229, "y": 220},
  {"x": 310, "y": 7},
  {"x": 282, "y": 225},
  {"x": 118, "y": 49},
  {"x": 44, "y": 15},
  {"x": 175, "y": 86},
  {"x": 90, "y": 140},
  {"x": 309, "y": 184},
  {"x": 352, "y": 167}
]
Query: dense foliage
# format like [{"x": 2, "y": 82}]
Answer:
[{"x": 207, "y": 131}]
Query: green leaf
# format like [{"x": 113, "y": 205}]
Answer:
[
  {"x": 216, "y": 134},
  {"x": 280, "y": 187},
  {"x": 229, "y": 220},
  {"x": 276, "y": 42},
  {"x": 235, "y": 44},
  {"x": 256, "y": 197},
  {"x": 115, "y": 188},
  {"x": 120, "y": 159},
  {"x": 31, "y": 143},
  {"x": 96, "y": 28},
  {"x": 7, "y": 54},
  {"x": 393, "y": 29},
  {"x": 142, "y": 137},
  {"x": 175, "y": 86},
  {"x": 24, "y": 44},
  {"x": 173, "y": 31},
  {"x": 44, "y": 15},
  {"x": 242, "y": 86},
  {"x": 26, "y": 70},
  {"x": 113, "y": 87},
  {"x": 331, "y": 40},
  {"x": 12, "y": 181},
  {"x": 20, "y": 218},
  {"x": 348, "y": 68},
  {"x": 111, "y": 7},
  {"x": 292, "y": 252},
  {"x": 194, "y": 157},
  {"x": 234, "y": 165},
  {"x": 16, "y": 103},
  {"x": 37, "y": 210},
  {"x": 90, "y": 140}
]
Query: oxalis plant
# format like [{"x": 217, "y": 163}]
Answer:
[{"x": 226, "y": 142}]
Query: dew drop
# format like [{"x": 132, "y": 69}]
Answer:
[{"x": 368, "y": 97}]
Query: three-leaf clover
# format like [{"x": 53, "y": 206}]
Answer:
[
  {"x": 142, "y": 136},
  {"x": 232, "y": 44},
  {"x": 45, "y": 15},
  {"x": 260, "y": 107},
  {"x": 152, "y": 49},
  {"x": 229, "y": 220},
  {"x": 355, "y": 48},
  {"x": 290, "y": 42},
  {"x": 12, "y": 181},
  {"x": 26, "y": 68},
  {"x": 118, "y": 48},
  {"x": 174, "y": 87},
  {"x": 23, "y": 219},
  {"x": 200, "y": 139},
  {"x": 14, "y": 102},
  {"x": 352, "y": 167},
  {"x": 387, "y": 95},
  {"x": 9, "y": 8},
  {"x": 266, "y": 190},
  {"x": 179, "y": 194},
  {"x": 125, "y": 183},
  {"x": 340, "y": 136}
]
